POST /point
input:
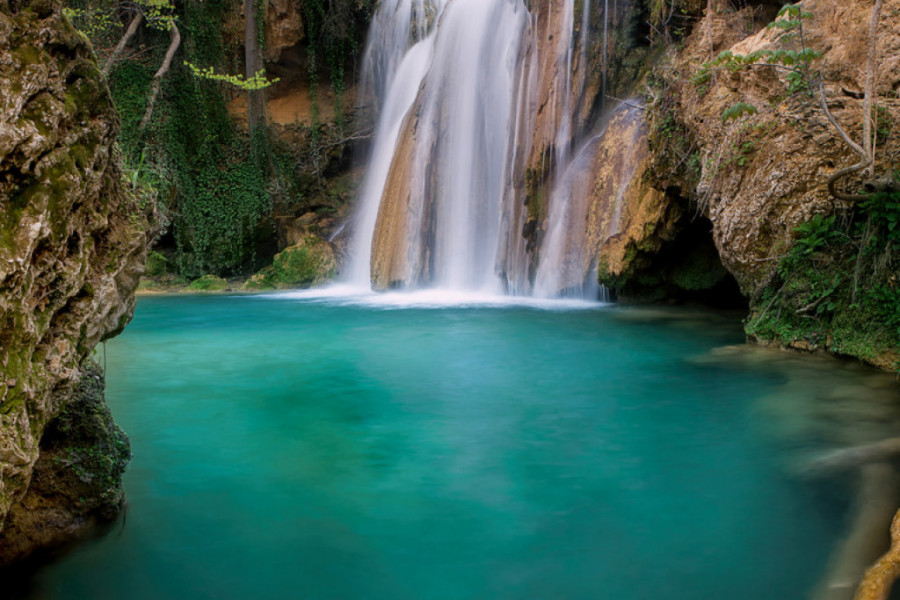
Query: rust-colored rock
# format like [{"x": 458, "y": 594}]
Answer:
[
  {"x": 880, "y": 578},
  {"x": 391, "y": 244},
  {"x": 765, "y": 174},
  {"x": 284, "y": 27}
]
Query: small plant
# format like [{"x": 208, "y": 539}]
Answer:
[
  {"x": 737, "y": 111},
  {"x": 794, "y": 62},
  {"x": 886, "y": 300},
  {"x": 883, "y": 211}
]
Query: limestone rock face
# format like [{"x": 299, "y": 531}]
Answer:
[
  {"x": 628, "y": 215},
  {"x": 284, "y": 27},
  {"x": 72, "y": 243},
  {"x": 763, "y": 175}
]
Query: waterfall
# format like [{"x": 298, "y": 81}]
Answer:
[
  {"x": 565, "y": 266},
  {"x": 473, "y": 98}
]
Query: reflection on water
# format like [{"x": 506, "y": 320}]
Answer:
[{"x": 296, "y": 447}]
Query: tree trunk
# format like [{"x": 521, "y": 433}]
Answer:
[{"x": 256, "y": 100}]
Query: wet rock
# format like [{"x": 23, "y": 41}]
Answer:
[{"x": 77, "y": 481}]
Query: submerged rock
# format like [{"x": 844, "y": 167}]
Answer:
[{"x": 72, "y": 241}]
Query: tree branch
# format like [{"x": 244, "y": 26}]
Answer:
[
  {"x": 871, "y": 67},
  {"x": 157, "y": 78},
  {"x": 840, "y": 174},
  {"x": 123, "y": 42}
]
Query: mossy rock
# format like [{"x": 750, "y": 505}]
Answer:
[
  {"x": 305, "y": 264},
  {"x": 258, "y": 283},
  {"x": 209, "y": 283}
]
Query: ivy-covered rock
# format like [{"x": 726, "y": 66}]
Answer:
[{"x": 307, "y": 263}]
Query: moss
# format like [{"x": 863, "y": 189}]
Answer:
[
  {"x": 259, "y": 283},
  {"x": 208, "y": 283},
  {"x": 13, "y": 372},
  {"x": 308, "y": 263},
  {"x": 701, "y": 270}
]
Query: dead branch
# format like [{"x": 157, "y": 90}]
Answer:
[
  {"x": 864, "y": 162},
  {"x": 857, "y": 456},
  {"x": 123, "y": 42},
  {"x": 157, "y": 78}
]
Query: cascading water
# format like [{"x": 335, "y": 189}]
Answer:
[
  {"x": 395, "y": 63},
  {"x": 457, "y": 85}
]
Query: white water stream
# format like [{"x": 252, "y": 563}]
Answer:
[{"x": 459, "y": 77}]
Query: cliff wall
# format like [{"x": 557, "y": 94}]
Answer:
[
  {"x": 72, "y": 247},
  {"x": 815, "y": 269}
]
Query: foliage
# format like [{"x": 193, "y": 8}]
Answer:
[
  {"x": 738, "y": 110},
  {"x": 208, "y": 283},
  {"x": 671, "y": 18},
  {"x": 304, "y": 264},
  {"x": 214, "y": 183},
  {"x": 157, "y": 265},
  {"x": 813, "y": 236},
  {"x": 97, "y": 18},
  {"x": 884, "y": 213},
  {"x": 257, "y": 82},
  {"x": 837, "y": 286},
  {"x": 221, "y": 178},
  {"x": 795, "y": 62},
  {"x": 334, "y": 30}
]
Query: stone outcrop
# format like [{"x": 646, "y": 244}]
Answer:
[
  {"x": 763, "y": 175},
  {"x": 284, "y": 27},
  {"x": 72, "y": 241},
  {"x": 76, "y": 483}
]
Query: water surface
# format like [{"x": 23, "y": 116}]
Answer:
[{"x": 304, "y": 447}]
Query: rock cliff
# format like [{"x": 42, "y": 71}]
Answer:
[
  {"x": 748, "y": 182},
  {"x": 72, "y": 246}
]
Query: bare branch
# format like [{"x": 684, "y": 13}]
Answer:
[
  {"x": 840, "y": 174},
  {"x": 157, "y": 78},
  {"x": 123, "y": 42},
  {"x": 871, "y": 68},
  {"x": 841, "y": 131}
]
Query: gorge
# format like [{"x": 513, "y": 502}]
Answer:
[{"x": 457, "y": 408}]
